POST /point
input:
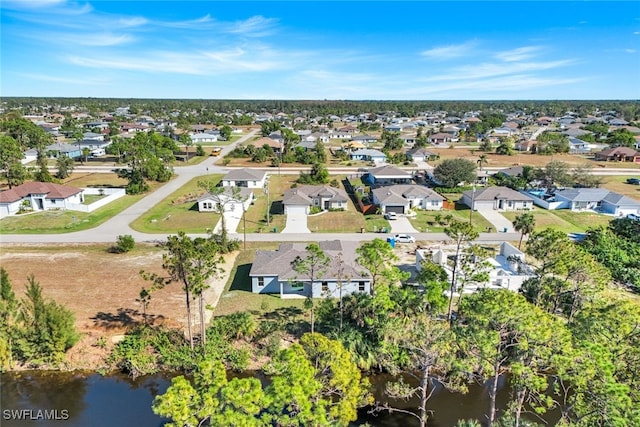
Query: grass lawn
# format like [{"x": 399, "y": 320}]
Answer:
[
  {"x": 90, "y": 198},
  {"x": 178, "y": 212},
  {"x": 563, "y": 219},
  {"x": 237, "y": 295},
  {"x": 54, "y": 222},
  {"x": 425, "y": 221},
  {"x": 618, "y": 184},
  {"x": 256, "y": 215}
]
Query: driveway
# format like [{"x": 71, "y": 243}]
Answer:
[
  {"x": 232, "y": 220},
  {"x": 296, "y": 223},
  {"x": 402, "y": 225},
  {"x": 499, "y": 222}
]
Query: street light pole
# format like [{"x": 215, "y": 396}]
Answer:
[{"x": 473, "y": 197}]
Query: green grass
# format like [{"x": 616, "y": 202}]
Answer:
[
  {"x": 237, "y": 295},
  {"x": 90, "y": 198},
  {"x": 55, "y": 222},
  {"x": 425, "y": 221},
  {"x": 256, "y": 215},
  {"x": 178, "y": 212},
  {"x": 563, "y": 219}
]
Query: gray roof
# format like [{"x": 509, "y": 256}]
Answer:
[
  {"x": 61, "y": 147},
  {"x": 278, "y": 262},
  {"x": 512, "y": 171},
  {"x": 388, "y": 171},
  {"x": 596, "y": 195},
  {"x": 400, "y": 193},
  {"x": 421, "y": 152},
  {"x": 493, "y": 193},
  {"x": 245, "y": 174},
  {"x": 368, "y": 152},
  {"x": 583, "y": 194},
  {"x": 243, "y": 193},
  {"x": 303, "y": 194}
]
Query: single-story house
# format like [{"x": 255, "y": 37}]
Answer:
[
  {"x": 352, "y": 145},
  {"x": 620, "y": 154},
  {"x": 272, "y": 273},
  {"x": 276, "y": 146},
  {"x": 303, "y": 197},
  {"x": 422, "y": 155},
  {"x": 577, "y": 145},
  {"x": 401, "y": 198},
  {"x": 369, "y": 154},
  {"x": 600, "y": 199},
  {"x": 201, "y": 138},
  {"x": 60, "y": 149},
  {"x": 39, "y": 196},
  {"x": 365, "y": 139},
  {"x": 246, "y": 177},
  {"x": 233, "y": 201},
  {"x": 91, "y": 144},
  {"x": 441, "y": 138},
  {"x": 387, "y": 175},
  {"x": 513, "y": 171},
  {"x": 507, "y": 270},
  {"x": 91, "y": 136},
  {"x": 497, "y": 198}
]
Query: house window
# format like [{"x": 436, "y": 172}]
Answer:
[
  {"x": 361, "y": 286},
  {"x": 325, "y": 286},
  {"x": 316, "y": 202},
  {"x": 297, "y": 286},
  {"x": 254, "y": 183},
  {"x": 260, "y": 282},
  {"x": 434, "y": 203}
]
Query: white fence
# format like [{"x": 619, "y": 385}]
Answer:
[
  {"x": 545, "y": 204},
  {"x": 110, "y": 194}
]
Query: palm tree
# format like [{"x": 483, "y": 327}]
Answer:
[
  {"x": 525, "y": 224},
  {"x": 482, "y": 161}
]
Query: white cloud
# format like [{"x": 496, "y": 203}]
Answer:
[
  {"x": 485, "y": 70},
  {"x": 254, "y": 26},
  {"x": 450, "y": 51},
  {"x": 519, "y": 54},
  {"x": 83, "y": 80},
  {"x": 106, "y": 39},
  {"x": 630, "y": 50}
]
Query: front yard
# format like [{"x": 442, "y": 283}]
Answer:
[
  {"x": 437, "y": 221},
  {"x": 178, "y": 212},
  {"x": 563, "y": 219}
]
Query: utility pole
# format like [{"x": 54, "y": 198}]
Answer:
[
  {"x": 473, "y": 198},
  {"x": 268, "y": 205}
]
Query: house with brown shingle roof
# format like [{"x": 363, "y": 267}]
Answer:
[
  {"x": 38, "y": 196},
  {"x": 620, "y": 154}
]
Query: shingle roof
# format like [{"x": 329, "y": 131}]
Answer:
[
  {"x": 583, "y": 194},
  {"x": 245, "y": 174},
  {"x": 388, "y": 171},
  {"x": 53, "y": 191},
  {"x": 303, "y": 194},
  {"x": 278, "y": 262},
  {"x": 400, "y": 193},
  {"x": 228, "y": 192},
  {"x": 493, "y": 193}
]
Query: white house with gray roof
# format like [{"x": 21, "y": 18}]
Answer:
[
  {"x": 598, "y": 199},
  {"x": 387, "y": 175},
  {"x": 233, "y": 201},
  {"x": 369, "y": 154},
  {"x": 272, "y": 273},
  {"x": 401, "y": 198},
  {"x": 249, "y": 178},
  {"x": 497, "y": 198},
  {"x": 303, "y": 197}
]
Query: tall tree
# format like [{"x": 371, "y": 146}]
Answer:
[
  {"x": 525, "y": 223},
  {"x": 452, "y": 172},
  {"x": 378, "y": 258},
  {"x": 222, "y": 201},
  {"x": 10, "y": 161},
  {"x": 64, "y": 165},
  {"x": 462, "y": 233},
  {"x": 313, "y": 266},
  {"x": 191, "y": 262}
]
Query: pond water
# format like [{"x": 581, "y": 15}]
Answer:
[{"x": 73, "y": 399}]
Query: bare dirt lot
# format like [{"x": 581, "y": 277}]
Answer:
[{"x": 101, "y": 288}]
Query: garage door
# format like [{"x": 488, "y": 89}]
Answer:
[
  {"x": 295, "y": 210},
  {"x": 396, "y": 209}
]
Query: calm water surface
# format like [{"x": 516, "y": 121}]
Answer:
[{"x": 92, "y": 400}]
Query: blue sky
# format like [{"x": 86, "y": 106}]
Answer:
[{"x": 384, "y": 50}]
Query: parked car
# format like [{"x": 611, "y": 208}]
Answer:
[
  {"x": 391, "y": 215},
  {"x": 404, "y": 238},
  {"x": 634, "y": 181},
  {"x": 634, "y": 217}
]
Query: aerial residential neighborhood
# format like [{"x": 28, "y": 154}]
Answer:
[{"x": 327, "y": 214}]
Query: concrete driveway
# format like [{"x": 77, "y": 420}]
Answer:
[
  {"x": 296, "y": 223},
  {"x": 402, "y": 225},
  {"x": 232, "y": 221},
  {"x": 499, "y": 222}
]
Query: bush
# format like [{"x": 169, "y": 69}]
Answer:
[
  {"x": 199, "y": 150},
  {"x": 124, "y": 243},
  {"x": 315, "y": 210}
]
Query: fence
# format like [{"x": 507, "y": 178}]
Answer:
[{"x": 111, "y": 194}]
